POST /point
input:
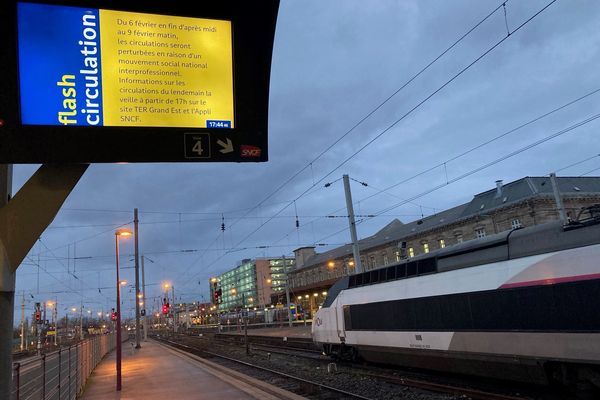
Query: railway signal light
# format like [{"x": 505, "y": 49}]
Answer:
[
  {"x": 38, "y": 313},
  {"x": 113, "y": 315},
  {"x": 165, "y": 308}
]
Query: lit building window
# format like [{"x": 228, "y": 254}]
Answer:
[
  {"x": 480, "y": 233},
  {"x": 411, "y": 252},
  {"x": 398, "y": 256},
  {"x": 515, "y": 223},
  {"x": 442, "y": 243},
  {"x": 425, "y": 247},
  {"x": 385, "y": 259}
]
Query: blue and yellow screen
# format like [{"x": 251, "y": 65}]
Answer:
[{"x": 94, "y": 67}]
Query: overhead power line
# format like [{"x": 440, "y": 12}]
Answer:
[
  {"x": 577, "y": 163},
  {"x": 363, "y": 119},
  {"x": 418, "y": 105},
  {"x": 377, "y": 136},
  {"x": 496, "y": 161},
  {"x": 483, "y": 144}
]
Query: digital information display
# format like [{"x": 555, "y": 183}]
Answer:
[
  {"x": 95, "y": 67},
  {"x": 143, "y": 81}
]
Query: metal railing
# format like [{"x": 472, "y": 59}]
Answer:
[{"x": 61, "y": 374}]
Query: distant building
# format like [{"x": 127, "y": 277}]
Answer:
[
  {"x": 254, "y": 283},
  {"x": 524, "y": 202}
]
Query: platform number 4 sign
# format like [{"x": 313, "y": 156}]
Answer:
[{"x": 197, "y": 145}]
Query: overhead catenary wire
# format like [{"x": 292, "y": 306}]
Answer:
[
  {"x": 410, "y": 111},
  {"x": 559, "y": 133},
  {"x": 367, "y": 116},
  {"x": 478, "y": 169},
  {"x": 496, "y": 161},
  {"x": 363, "y": 119},
  {"x": 485, "y": 143},
  {"x": 577, "y": 163}
]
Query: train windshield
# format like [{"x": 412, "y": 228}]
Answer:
[{"x": 335, "y": 290}]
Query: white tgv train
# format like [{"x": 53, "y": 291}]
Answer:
[{"x": 520, "y": 305}]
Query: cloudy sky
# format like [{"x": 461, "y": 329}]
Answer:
[{"x": 334, "y": 63}]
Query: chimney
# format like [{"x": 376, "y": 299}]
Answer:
[
  {"x": 302, "y": 254},
  {"x": 498, "y": 188}
]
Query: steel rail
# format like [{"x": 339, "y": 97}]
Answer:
[
  {"x": 475, "y": 394},
  {"x": 281, "y": 374}
]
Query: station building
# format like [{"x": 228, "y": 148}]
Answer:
[{"x": 524, "y": 202}]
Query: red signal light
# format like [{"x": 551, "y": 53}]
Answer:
[
  {"x": 165, "y": 308},
  {"x": 38, "y": 316},
  {"x": 113, "y": 316}
]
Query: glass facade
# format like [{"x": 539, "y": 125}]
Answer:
[
  {"x": 279, "y": 272},
  {"x": 250, "y": 285},
  {"x": 238, "y": 287}
]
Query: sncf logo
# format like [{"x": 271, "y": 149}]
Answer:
[{"x": 249, "y": 151}]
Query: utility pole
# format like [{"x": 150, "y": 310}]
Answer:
[
  {"x": 81, "y": 321},
  {"x": 38, "y": 330},
  {"x": 137, "y": 280},
  {"x": 287, "y": 292},
  {"x": 144, "y": 301},
  {"x": 173, "y": 308},
  {"x": 56, "y": 321},
  {"x": 559, "y": 203},
  {"x": 23, "y": 322},
  {"x": 355, "y": 250},
  {"x": 187, "y": 316}
]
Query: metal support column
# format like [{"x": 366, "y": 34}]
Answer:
[
  {"x": 137, "y": 280},
  {"x": 350, "y": 207}
]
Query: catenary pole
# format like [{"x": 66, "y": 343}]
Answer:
[
  {"x": 23, "y": 322},
  {"x": 350, "y": 207},
  {"x": 137, "y": 280},
  {"x": 287, "y": 292},
  {"x": 144, "y": 301},
  {"x": 558, "y": 199}
]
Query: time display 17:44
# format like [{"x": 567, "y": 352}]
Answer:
[{"x": 218, "y": 124}]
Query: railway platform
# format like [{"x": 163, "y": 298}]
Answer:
[
  {"x": 159, "y": 372},
  {"x": 296, "y": 331}
]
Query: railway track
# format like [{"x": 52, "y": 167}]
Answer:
[
  {"x": 313, "y": 389},
  {"x": 412, "y": 380},
  {"x": 353, "y": 372}
]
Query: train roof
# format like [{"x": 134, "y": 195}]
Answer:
[
  {"x": 516, "y": 243},
  {"x": 484, "y": 202}
]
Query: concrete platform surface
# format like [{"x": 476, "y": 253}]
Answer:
[
  {"x": 157, "y": 372},
  {"x": 297, "y": 331}
]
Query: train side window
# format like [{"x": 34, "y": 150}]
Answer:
[
  {"x": 375, "y": 276},
  {"x": 366, "y": 278},
  {"x": 401, "y": 271},
  {"x": 390, "y": 273},
  {"x": 352, "y": 281},
  {"x": 427, "y": 266},
  {"x": 359, "y": 279},
  {"x": 411, "y": 268},
  {"x": 347, "y": 318}
]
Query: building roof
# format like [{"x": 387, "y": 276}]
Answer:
[
  {"x": 501, "y": 196},
  {"x": 529, "y": 187}
]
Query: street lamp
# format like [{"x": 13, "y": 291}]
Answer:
[{"x": 123, "y": 233}]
